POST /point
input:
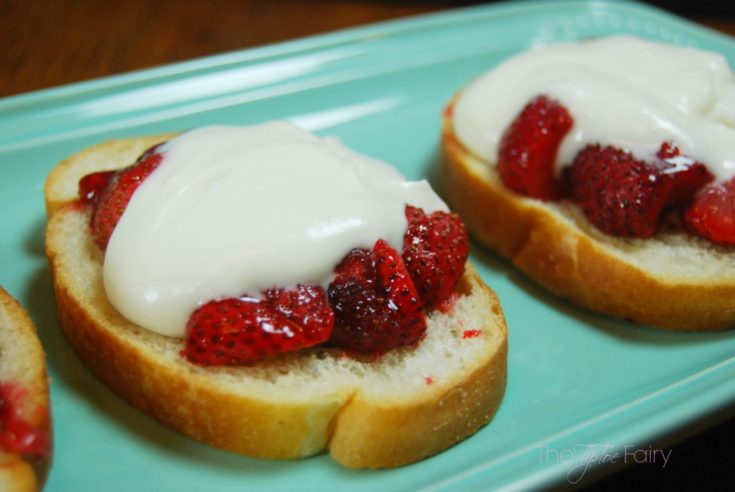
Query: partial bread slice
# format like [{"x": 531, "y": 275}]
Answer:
[
  {"x": 673, "y": 280},
  {"x": 23, "y": 365},
  {"x": 406, "y": 405}
]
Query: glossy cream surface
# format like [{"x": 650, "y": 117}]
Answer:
[
  {"x": 620, "y": 90},
  {"x": 232, "y": 211}
]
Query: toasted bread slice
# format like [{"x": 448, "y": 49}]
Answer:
[
  {"x": 399, "y": 408},
  {"x": 673, "y": 280},
  {"x": 22, "y": 375}
]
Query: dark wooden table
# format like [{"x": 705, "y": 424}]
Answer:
[{"x": 49, "y": 43}]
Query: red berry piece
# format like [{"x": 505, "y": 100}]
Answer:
[
  {"x": 92, "y": 185},
  {"x": 306, "y": 305},
  {"x": 16, "y": 434},
  {"x": 396, "y": 283},
  {"x": 111, "y": 201},
  {"x": 689, "y": 175},
  {"x": 236, "y": 331},
  {"x": 435, "y": 249},
  {"x": 619, "y": 194},
  {"x": 375, "y": 304},
  {"x": 712, "y": 214},
  {"x": 359, "y": 265},
  {"x": 529, "y": 146}
]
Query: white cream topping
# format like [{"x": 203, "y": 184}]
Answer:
[
  {"x": 620, "y": 90},
  {"x": 235, "y": 210}
]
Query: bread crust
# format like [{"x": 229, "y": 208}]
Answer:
[
  {"x": 401, "y": 434},
  {"x": 146, "y": 370},
  {"x": 18, "y": 472},
  {"x": 556, "y": 246}
]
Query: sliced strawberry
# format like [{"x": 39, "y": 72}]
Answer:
[
  {"x": 435, "y": 250},
  {"x": 16, "y": 433},
  {"x": 528, "y": 149},
  {"x": 619, "y": 194},
  {"x": 712, "y": 214},
  {"x": 235, "y": 331},
  {"x": 306, "y": 305},
  {"x": 397, "y": 285},
  {"x": 110, "y": 201},
  {"x": 358, "y": 264},
  {"x": 689, "y": 175},
  {"x": 92, "y": 185},
  {"x": 375, "y": 304}
]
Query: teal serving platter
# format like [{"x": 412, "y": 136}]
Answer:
[{"x": 585, "y": 392}]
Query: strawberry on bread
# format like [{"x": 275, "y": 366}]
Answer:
[
  {"x": 434, "y": 250},
  {"x": 627, "y": 197},
  {"x": 230, "y": 330},
  {"x": 354, "y": 357},
  {"x": 375, "y": 303},
  {"x": 712, "y": 214},
  {"x": 528, "y": 149},
  {"x": 25, "y": 422},
  {"x": 604, "y": 177}
]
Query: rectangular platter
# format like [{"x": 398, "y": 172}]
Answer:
[{"x": 577, "y": 381}]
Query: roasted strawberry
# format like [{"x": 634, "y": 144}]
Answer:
[
  {"x": 375, "y": 303},
  {"x": 435, "y": 250},
  {"x": 529, "y": 146},
  {"x": 240, "y": 330},
  {"x": 712, "y": 214},
  {"x": 618, "y": 193},
  {"x": 689, "y": 175},
  {"x": 111, "y": 200}
]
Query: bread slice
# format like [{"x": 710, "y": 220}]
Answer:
[
  {"x": 406, "y": 405},
  {"x": 673, "y": 280},
  {"x": 23, "y": 366}
]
